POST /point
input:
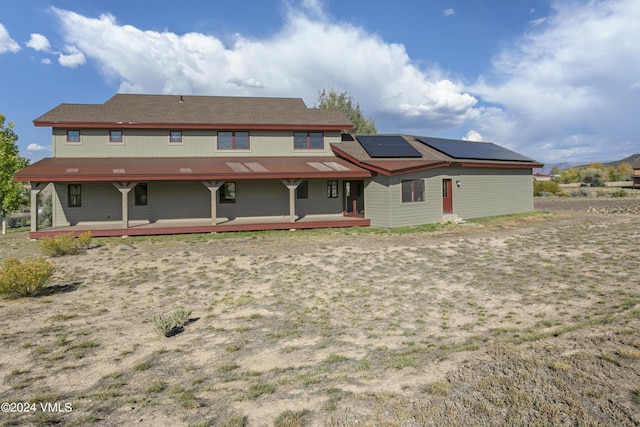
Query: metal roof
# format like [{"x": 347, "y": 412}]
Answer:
[{"x": 188, "y": 168}]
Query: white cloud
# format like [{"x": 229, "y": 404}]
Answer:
[
  {"x": 448, "y": 12},
  {"x": 39, "y": 43},
  {"x": 73, "y": 58},
  {"x": 472, "y": 135},
  {"x": 36, "y": 147},
  {"x": 310, "y": 51},
  {"x": 7, "y": 44},
  {"x": 46, "y": 61},
  {"x": 570, "y": 86},
  {"x": 536, "y": 22}
]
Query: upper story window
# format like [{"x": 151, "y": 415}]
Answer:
[
  {"x": 233, "y": 141},
  {"x": 175, "y": 137},
  {"x": 73, "y": 136},
  {"x": 308, "y": 140},
  {"x": 115, "y": 136}
]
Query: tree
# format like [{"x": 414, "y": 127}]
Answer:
[
  {"x": 13, "y": 194},
  {"x": 624, "y": 171},
  {"x": 330, "y": 99},
  {"x": 593, "y": 176}
]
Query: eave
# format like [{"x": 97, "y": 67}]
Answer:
[{"x": 180, "y": 126}]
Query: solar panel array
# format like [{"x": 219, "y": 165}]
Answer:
[
  {"x": 472, "y": 150},
  {"x": 394, "y": 146}
]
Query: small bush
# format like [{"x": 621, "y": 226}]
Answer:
[
  {"x": 65, "y": 244},
  {"x": 579, "y": 193},
  {"x": 172, "y": 323},
  {"x": 24, "y": 279},
  {"x": 619, "y": 193},
  {"x": 84, "y": 239},
  {"x": 540, "y": 187}
]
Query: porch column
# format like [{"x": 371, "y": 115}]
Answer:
[
  {"x": 124, "y": 188},
  {"x": 213, "y": 186},
  {"x": 36, "y": 188},
  {"x": 292, "y": 184}
]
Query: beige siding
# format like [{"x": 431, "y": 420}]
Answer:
[
  {"x": 195, "y": 143},
  {"x": 377, "y": 202}
]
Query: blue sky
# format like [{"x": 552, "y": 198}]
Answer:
[{"x": 555, "y": 80}]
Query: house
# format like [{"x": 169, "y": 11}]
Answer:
[
  {"x": 163, "y": 164},
  {"x": 636, "y": 176}
]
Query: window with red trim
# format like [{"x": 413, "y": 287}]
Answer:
[
  {"x": 308, "y": 140},
  {"x": 233, "y": 141},
  {"x": 412, "y": 191}
]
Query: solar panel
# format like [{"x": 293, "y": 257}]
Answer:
[
  {"x": 472, "y": 150},
  {"x": 387, "y": 146}
]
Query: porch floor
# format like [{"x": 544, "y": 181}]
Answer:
[{"x": 202, "y": 225}]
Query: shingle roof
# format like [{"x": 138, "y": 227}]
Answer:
[{"x": 174, "y": 110}]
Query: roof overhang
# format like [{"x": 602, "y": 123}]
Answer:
[
  {"x": 188, "y": 169},
  {"x": 391, "y": 167},
  {"x": 181, "y": 126}
]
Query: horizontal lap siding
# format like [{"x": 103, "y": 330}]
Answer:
[
  {"x": 318, "y": 203},
  {"x": 101, "y": 201},
  {"x": 416, "y": 213},
  {"x": 377, "y": 202},
  {"x": 257, "y": 198},
  {"x": 172, "y": 200},
  {"x": 489, "y": 192},
  {"x": 195, "y": 143}
]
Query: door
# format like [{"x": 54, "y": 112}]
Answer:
[
  {"x": 447, "y": 196},
  {"x": 353, "y": 198}
]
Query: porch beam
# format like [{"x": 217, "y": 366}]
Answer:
[
  {"x": 124, "y": 188},
  {"x": 292, "y": 184},
  {"x": 36, "y": 188},
  {"x": 214, "y": 186}
]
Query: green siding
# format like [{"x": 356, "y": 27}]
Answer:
[{"x": 377, "y": 204}]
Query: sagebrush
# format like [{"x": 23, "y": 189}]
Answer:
[
  {"x": 26, "y": 278},
  {"x": 65, "y": 244},
  {"x": 172, "y": 323}
]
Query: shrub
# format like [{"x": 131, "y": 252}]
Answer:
[
  {"x": 619, "y": 193},
  {"x": 172, "y": 323},
  {"x": 65, "y": 244},
  {"x": 540, "y": 187},
  {"x": 24, "y": 279}
]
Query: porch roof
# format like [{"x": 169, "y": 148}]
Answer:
[{"x": 188, "y": 169}]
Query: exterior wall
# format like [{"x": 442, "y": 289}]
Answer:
[
  {"x": 483, "y": 192},
  {"x": 101, "y": 202},
  {"x": 377, "y": 201},
  {"x": 195, "y": 143}
]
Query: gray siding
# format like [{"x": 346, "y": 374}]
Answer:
[
  {"x": 318, "y": 203},
  {"x": 195, "y": 143},
  {"x": 100, "y": 202}
]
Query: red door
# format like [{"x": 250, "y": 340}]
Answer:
[{"x": 447, "y": 196}]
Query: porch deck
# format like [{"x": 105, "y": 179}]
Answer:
[{"x": 202, "y": 225}]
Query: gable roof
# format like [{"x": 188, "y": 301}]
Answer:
[
  {"x": 431, "y": 155},
  {"x": 195, "y": 112}
]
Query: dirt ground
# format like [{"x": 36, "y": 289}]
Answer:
[{"x": 523, "y": 320}]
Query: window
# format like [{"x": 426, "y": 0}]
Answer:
[
  {"x": 74, "y": 193},
  {"x": 115, "y": 136},
  {"x": 412, "y": 191},
  {"x": 140, "y": 194},
  {"x": 302, "y": 192},
  {"x": 175, "y": 137},
  {"x": 308, "y": 140},
  {"x": 332, "y": 189},
  {"x": 73, "y": 136},
  {"x": 233, "y": 140},
  {"x": 228, "y": 192}
]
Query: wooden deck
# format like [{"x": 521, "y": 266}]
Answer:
[{"x": 188, "y": 226}]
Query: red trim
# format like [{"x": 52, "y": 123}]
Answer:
[
  {"x": 222, "y": 126},
  {"x": 501, "y": 165},
  {"x": 385, "y": 172},
  {"x": 142, "y": 231}
]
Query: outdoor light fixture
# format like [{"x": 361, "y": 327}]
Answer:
[{"x": 458, "y": 184}]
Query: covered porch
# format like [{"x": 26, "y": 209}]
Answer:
[{"x": 192, "y": 226}]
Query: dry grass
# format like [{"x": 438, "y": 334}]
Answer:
[{"x": 526, "y": 320}]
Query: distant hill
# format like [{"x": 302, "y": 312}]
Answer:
[{"x": 633, "y": 159}]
